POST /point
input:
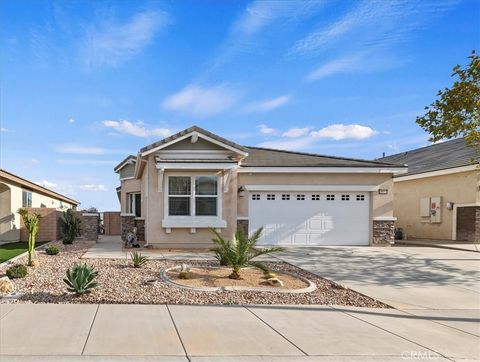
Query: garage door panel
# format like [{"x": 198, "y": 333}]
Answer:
[{"x": 313, "y": 220}]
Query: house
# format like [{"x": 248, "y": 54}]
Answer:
[
  {"x": 439, "y": 197},
  {"x": 176, "y": 188},
  {"x": 17, "y": 192}
]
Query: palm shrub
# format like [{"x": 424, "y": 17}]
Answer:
[
  {"x": 70, "y": 225},
  {"x": 239, "y": 252},
  {"x": 31, "y": 222},
  {"x": 80, "y": 279},
  {"x": 138, "y": 259}
]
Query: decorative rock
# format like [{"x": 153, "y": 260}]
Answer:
[
  {"x": 275, "y": 282},
  {"x": 35, "y": 263},
  {"x": 6, "y": 285},
  {"x": 184, "y": 271}
]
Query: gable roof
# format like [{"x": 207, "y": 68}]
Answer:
[
  {"x": 34, "y": 187},
  {"x": 125, "y": 162},
  {"x": 185, "y": 132},
  {"x": 439, "y": 156},
  {"x": 267, "y": 157}
]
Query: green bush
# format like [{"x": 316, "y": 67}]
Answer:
[
  {"x": 17, "y": 271},
  {"x": 52, "y": 250},
  {"x": 138, "y": 259},
  {"x": 80, "y": 279}
]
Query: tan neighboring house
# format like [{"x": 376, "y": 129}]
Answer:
[
  {"x": 439, "y": 197},
  {"x": 17, "y": 192},
  {"x": 176, "y": 188}
]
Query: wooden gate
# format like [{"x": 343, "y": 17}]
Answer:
[{"x": 111, "y": 223}]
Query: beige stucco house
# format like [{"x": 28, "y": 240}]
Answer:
[
  {"x": 439, "y": 197},
  {"x": 17, "y": 192},
  {"x": 177, "y": 188}
]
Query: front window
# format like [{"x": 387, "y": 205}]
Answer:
[
  {"x": 26, "y": 198},
  {"x": 134, "y": 204},
  {"x": 192, "y": 196}
]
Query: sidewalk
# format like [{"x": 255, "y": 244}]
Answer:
[{"x": 69, "y": 332}]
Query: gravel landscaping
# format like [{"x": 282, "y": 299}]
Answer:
[
  {"x": 218, "y": 277},
  {"x": 121, "y": 283}
]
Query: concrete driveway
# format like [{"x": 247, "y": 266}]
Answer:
[{"x": 404, "y": 277}]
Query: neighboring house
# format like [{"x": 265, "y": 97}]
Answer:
[
  {"x": 439, "y": 197},
  {"x": 177, "y": 188},
  {"x": 15, "y": 193}
]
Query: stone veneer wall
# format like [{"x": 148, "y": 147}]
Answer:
[
  {"x": 468, "y": 223},
  {"x": 383, "y": 233},
  {"x": 140, "y": 224},
  {"x": 89, "y": 226},
  {"x": 127, "y": 225}
]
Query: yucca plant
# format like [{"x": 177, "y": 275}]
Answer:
[
  {"x": 70, "y": 225},
  {"x": 138, "y": 259},
  {"x": 80, "y": 279},
  {"x": 31, "y": 222},
  {"x": 239, "y": 252}
]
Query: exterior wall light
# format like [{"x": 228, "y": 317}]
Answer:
[{"x": 383, "y": 191}]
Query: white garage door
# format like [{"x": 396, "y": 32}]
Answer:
[{"x": 310, "y": 218}]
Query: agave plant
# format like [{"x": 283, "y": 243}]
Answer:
[
  {"x": 138, "y": 259},
  {"x": 80, "y": 279},
  {"x": 239, "y": 252},
  {"x": 31, "y": 222},
  {"x": 70, "y": 225}
]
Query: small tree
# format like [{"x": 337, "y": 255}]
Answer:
[
  {"x": 456, "y": 112},
  {"x": 70, "y": 225},
  {"x": 240, "y": 252},
  {"x": 31, "y": 222}
]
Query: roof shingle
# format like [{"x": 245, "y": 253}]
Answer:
[{"x": 440, "y": 156}]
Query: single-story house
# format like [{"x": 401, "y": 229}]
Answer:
[
  {"x": 17, "y": 192},
  {"x": 178, "y": 187},
  {"x": 439, "y": 196}
]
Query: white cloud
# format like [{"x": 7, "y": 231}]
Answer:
[
  {"x": 93, "y": 188},
  {"x": 347, "y": 64},
  {"x": 268, "y": 104},
  {"x": 47, "y": 184},
  {"x": 344, "y": 131},
  {"x": 77, "y": 149},
  {"x": 112, "y": 43},
  {"x": 34, "y": 161},
  {"x": 296, "y": 132},
  {"x": 260, "y": 16},
  {"x": 201, "y": 101},
  {"x": 3, "y": 129},
  {"x": 365, "y": 36},
  {"x": 136, "y": 129},
  {"x": 71, "y": 120},
  {"x": 301, "y": 138},
  {"x": 264, "y": 129}
]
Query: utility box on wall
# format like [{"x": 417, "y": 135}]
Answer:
[{"x": 435, "y": 209}]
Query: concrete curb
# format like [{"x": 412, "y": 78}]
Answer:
[{"x": 311, "y": 286}]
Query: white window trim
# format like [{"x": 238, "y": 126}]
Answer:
[
  {"x": 193, "y": 221},
  {"x": 129, "y": 209}
]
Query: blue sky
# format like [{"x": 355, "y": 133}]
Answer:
[{"x": 83, "y": 84}]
